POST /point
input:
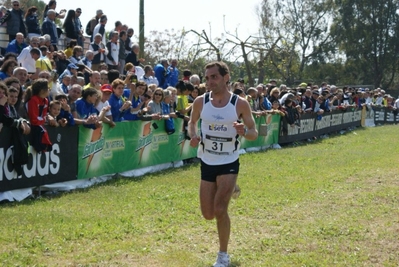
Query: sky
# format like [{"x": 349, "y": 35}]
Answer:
[{"x": 198, "y": 15}]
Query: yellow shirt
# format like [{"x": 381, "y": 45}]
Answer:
[
  {"x": 68, "y": 52},
  {"x": 43, "y": 64},
  {"x": 182, "y": 102}
]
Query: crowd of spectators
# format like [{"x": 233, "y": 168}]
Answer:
[{"x": 109, "y": 83}]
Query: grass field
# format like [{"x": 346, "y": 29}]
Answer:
[{"x": 333, "y": 202}]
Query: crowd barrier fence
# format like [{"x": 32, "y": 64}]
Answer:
[{"x": 82, "y": 153}]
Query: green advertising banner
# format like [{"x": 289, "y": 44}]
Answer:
[
  {"x": 130, "y": 145},
  {"x": 137, "y": 144},
  {"x": 269, "y": 122}
]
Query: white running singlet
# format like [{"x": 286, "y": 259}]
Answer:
[{"x": 219, "y": 139}]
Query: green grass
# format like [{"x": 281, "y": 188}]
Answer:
[{"x": 334, "y": 202}]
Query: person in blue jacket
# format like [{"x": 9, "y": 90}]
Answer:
[{"x": 16, "y": 45}]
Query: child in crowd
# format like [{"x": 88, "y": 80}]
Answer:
[
  {"x": 137, "y": 103},
  {"x": 37, "y": 107},
  {"x": 106, "y": 91},
  {"x": 277, "y": 109},
  {"x": 69, "y": 51},
  {"x": 119, "y": 105},
  {"x": 86, "y": 110},
  {"x": 53, "y": 118},
  {"x": 65, "y": 112},
  {"x": 12, "y": 100}
]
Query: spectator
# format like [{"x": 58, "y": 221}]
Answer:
[
  {"x": 274, "y": 94},
  {"x": 99, "y": 52},
  {"x": 65, "y": 84},
  {"x": 52, "y": 5},
  {"x": 12, "y": 100},
  {"x": 134, "y": 94},
  {"x": 154, "y": 107},
  {"x": 106, "y": 91},
  {"x": 118, "y": 26},
  {"x": 195, "y": 80},
  {"x": 162, "y": 73},
  {"x": 17, "y": 45},
  {"x": 65, "y": 109},
  {"x": 69, "y": 25},
  {"x": 183, "y": 90},
  {"x": 73, "y": 94},
  {"x": 193, "y": 95},
  {"x": 122, "y": 52},
  {"x": 49, "y": 27},
  {"x": 86, "y": 110},
  {"x": 76, "y": 57},
  {"x": 53, "y": 118},
  {"x": 78, "y": 27},
  {"x": 71, "y": 70},
  {"x": 7, "y": 68},
  {"x": 148, "y": 76},
  {"x": 61, "y": 61},
  {"x": 187, "y": 76},
  {"x": 32, "y": 23},
  {"x": 112, "y": 58},
  {"x": 69, "y": 50},
  {"x": 15, "y": 21},
  {"x": 291, "y": 113},
  {"x": 119, "y": 105},
  {"x": 93, "y": 23},
  {"x": 27, "y": 59},
  {"x": 128, "y": 43},
  {"x": 14, "y": 82},
  {"x": 104, "y": 77},
  {"x": 21, "y": 74},
  {"x": 174, "y": 73},
  {"x": 4, "y": 118},
  {"x": 113, "y": 75},
  {"x": 95, "y": 79},
  {"x": 173, "y": 101},
  {"x": 37, "y": 108},
  {"x": 100, "y": 28}
]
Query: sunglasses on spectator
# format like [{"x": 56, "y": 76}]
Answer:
[
  {"x": 15, "y": 4},
  {"x": 158, "y": 94}
]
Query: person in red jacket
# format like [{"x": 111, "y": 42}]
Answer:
[{"x": 37, "y": 109}]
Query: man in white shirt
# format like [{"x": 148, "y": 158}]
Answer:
[
  {"x": 25, "y": 59},
  {"x": 148, "y": 76}
]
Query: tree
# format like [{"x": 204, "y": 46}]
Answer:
[{"x": 367, "y": 32}]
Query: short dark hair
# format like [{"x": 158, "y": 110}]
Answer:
[
  {"x": 39, "y": 85},
  {"x": 89, "y": 92},
  {"x": 222, "y": 67},
  {"x": 35, "y": 51}
]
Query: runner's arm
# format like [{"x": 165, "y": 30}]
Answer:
[{"x": 245, "y": 111}]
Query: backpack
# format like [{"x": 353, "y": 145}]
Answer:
[{"x": 88, "y": 28}]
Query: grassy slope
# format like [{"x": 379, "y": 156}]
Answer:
[{"x": 329, "y": 203}]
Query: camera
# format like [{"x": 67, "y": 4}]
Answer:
[{"x": 133, "y": 78}]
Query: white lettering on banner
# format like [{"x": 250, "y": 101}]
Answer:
[
  {"x": 324, "y": 122},
  {"x": 336, "y": 119},
  {"x": 390, "y": 116},
  {"x": 9, "y": 174},
  {"x": 306, "y": 126},
  {"x": 357, "y": 116},
  {"x": 348, "y": 117},
  {"x": 292, "y": 130},
  {"x": 51, "y": 165}
]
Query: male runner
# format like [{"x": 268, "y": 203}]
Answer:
[{"x": 219, "y": 145}]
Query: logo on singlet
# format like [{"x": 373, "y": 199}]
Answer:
[
  {"x": 217, "y": 127},
  {"x": 218, "y": 117}
]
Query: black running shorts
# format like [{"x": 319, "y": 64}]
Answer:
[{"x": 210, "y": 172}]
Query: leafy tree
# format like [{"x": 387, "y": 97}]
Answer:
[{"x": 367, "y": 32}]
